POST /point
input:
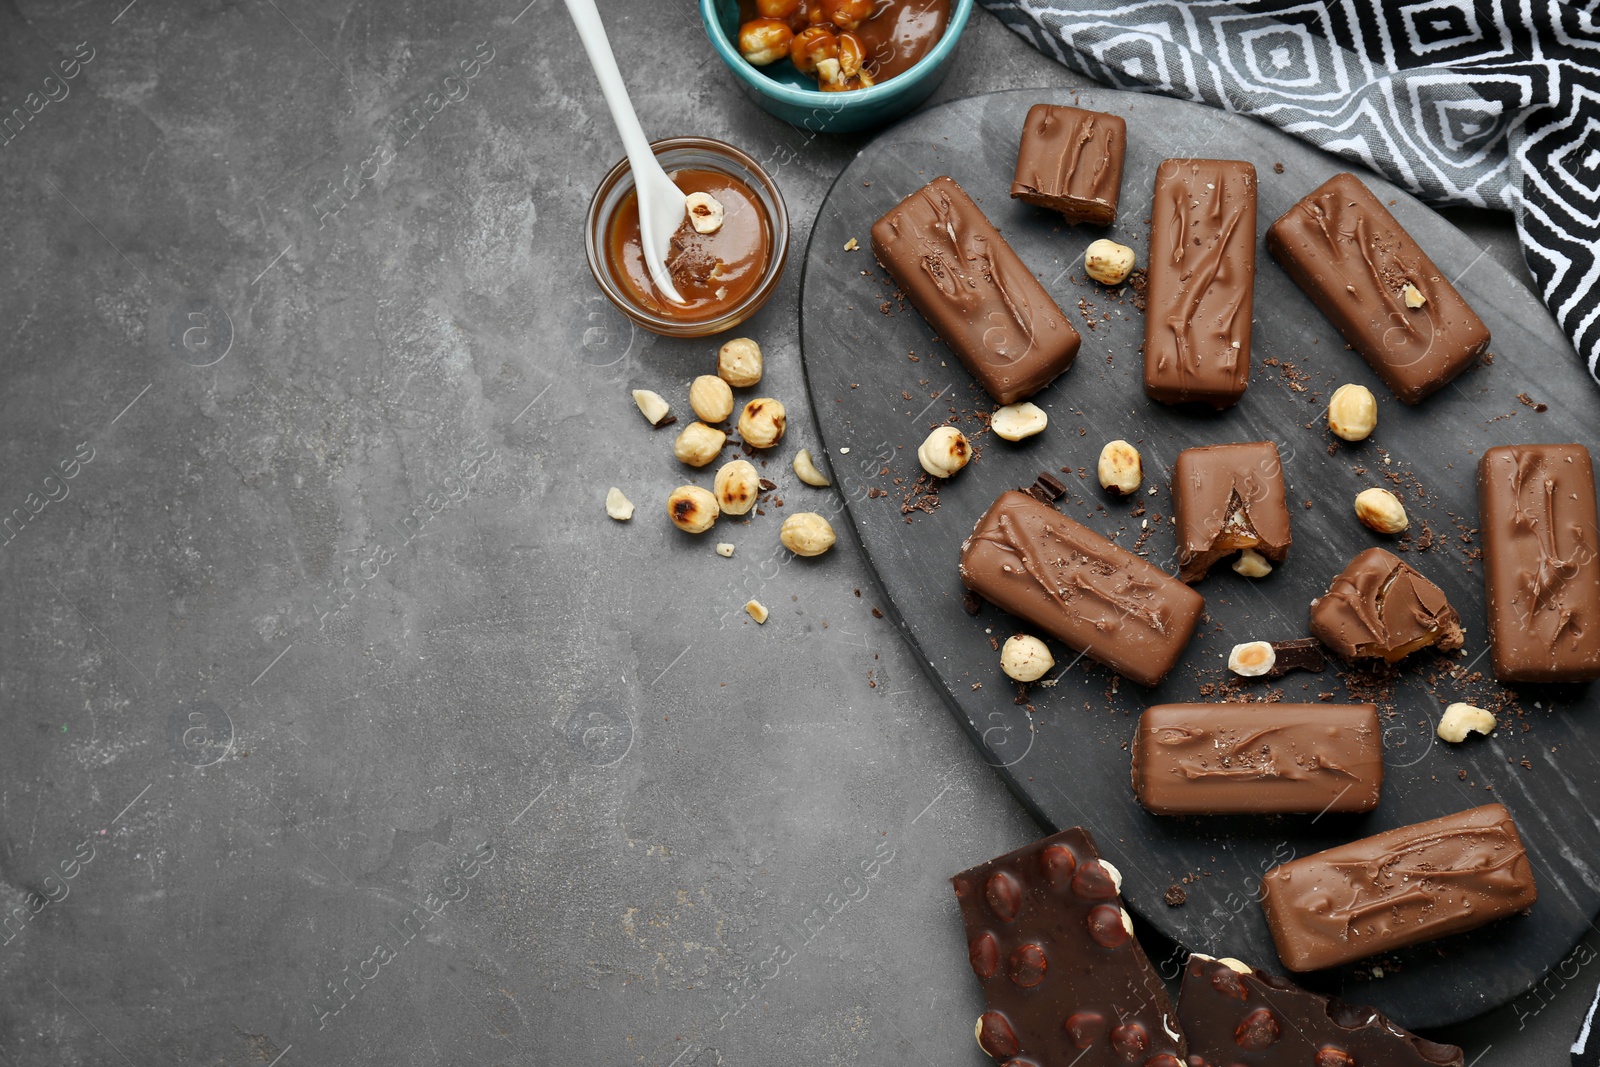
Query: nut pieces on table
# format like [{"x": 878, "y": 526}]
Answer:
[
  {"x": 711, "y": 398},
  {"x": 739, "y": 363},
  {"x": 762, "y": 422},
  {"x": 737, "y": 486},
  {"x": 1120, "y": 468},
  {"x": 1025, "y": 658},
  {"x": 1108, "y": 262},
  {"x": 692, "y": 509},
  {"x": 1381, "y": 510},
  {"x": 1352, "y": 412},
  {"x": 699, "y": 444},
  {"x": 945, "y": 451},
  {"x": 1016, "y": 422},
  {"x": 806, "y": 469},
  {"x": 807, "y": 534}
]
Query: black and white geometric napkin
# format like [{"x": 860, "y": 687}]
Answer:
[
  {"x": 1586, "y": 1048},
  {"x": 1494, "y": 103}
]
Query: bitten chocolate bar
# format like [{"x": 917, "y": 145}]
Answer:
[
  {"x": 1027, "y": 558},
  {"x": 1403, "y": 886},
  {"x": 1202, "y": 273},
  {"x": 1376, "y": 285},
  {"x": 1213, "y": 759},
  {"x": 1070, "y": 161},
  {"x": 976, "y": 294},
  {"x": 1226, "y": 498},
  {"x": 1379, "y": 608},
  {"x": 1537, "y": 507},
  {"x": 1235, "y": 1016},
  {"x": 1064, "y": 979}
]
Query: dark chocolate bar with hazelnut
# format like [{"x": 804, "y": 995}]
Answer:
[
  {"x": 1027, "y": 558},
  {"x": 1537, "y": 507},
  {"x": 1236, "y": 1016},
  {"x": 1070, "y": 160},
  {"x": 1380, "y": 608},
  {"x": 1202, "y": 273},
  {"x": 1226, "y": 498},
  {"x": 1064, "y": 979},
  {"x": 1378, "y": 288},
  {"x": 978, "y": 296},
  {"x": 1401, "y": 887},
  {"x": 1257, "y": 759}
]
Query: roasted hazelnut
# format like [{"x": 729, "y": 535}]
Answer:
[
  {"x": 1120, "y": 469},
  {"x": 1108, "y": 262},
  {"x": 1381, "y": 510},
  {"x": 692, "y": 509},
  {"x": 699, "y": 444},
  {"x": 1252, "y": 564},
  {"x": 1017, "y": 421},
  {"x": 1352, "y": 412},
  {"x": 1413, "y": 296},
  {"x": 806, "y": 534},
  {"x": 764, "y": 41},
  {"x": 1025, "y": 658},
  {"x": 847, "y": 14},
  {"x": 762, "y": 422},
  {"x": 944, "y": 452},
  {"x": 711, "y": 398},
  {"x": 739, "y": 362},
  {"x": 1252, "y": 659},
  {"x": 618, "y": 506},
  {"x": 777, "y": 9},
  {"x": 737, "y": 486},
  {"x": 704, "y": 212},
  {"x": 811, "y": 46},
  {"x": 1459, "y": 720}
]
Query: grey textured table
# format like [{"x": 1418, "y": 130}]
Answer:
[{"x": 340, "y": 725}]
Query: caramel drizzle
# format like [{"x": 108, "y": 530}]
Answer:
[
  {"x": 1552, "y": 574},
  {"x": 1272, "y": 767},
  {"x": 1363, "y": 874},
  {"x": 1199, "y": 279},
  {"x": 950, "y": 276}
]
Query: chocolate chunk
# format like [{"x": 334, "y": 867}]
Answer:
[
  {"x": 1070, "y": 161},
  {"x": 971, "y": 603},
  {"x": 1226, "y": 498},
  {"x": 1052, "y": 486},
  {"x": 1376, "y": 285},
  {"x": 974, "y": 291},
  {"x": 1378, "y": 607},
  {"x": 1202, "y": 273},
  {"x": 1537, "y": 505},
  {"x": 1175, "y": 896},
  {"x": 1032, "y": 561},
  {"x": 1256, "y": 1019},
  {"x": 1301, "y": 654},
  {"x": 1212, "y": 759},
  {"x": 1403, "y": 886},
  {"x": 1063, "y": 977}
]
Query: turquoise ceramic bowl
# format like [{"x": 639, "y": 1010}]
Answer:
[{"x": 794, "y": 97}]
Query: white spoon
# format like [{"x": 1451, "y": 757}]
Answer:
[{"x": 661, "y": 203}]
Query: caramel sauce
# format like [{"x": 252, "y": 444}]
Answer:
[
  {"x": 713, "y": 272},
  {"x": 896, "y": 36}
]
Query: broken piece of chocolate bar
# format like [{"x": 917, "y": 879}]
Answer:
[
  {"x": 1226, "y": 498},
  {"x": 1379, "y": 608},
  {"x": 1070, "y": 160}
]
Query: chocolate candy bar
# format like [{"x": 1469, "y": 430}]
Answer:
[
  {"x": 1235, "y": 1016},
  {"x": 1380, "y": 608},
  {"x": 1070, "y": 161},
  {"x": 1415, "y": 883},
  {"x": 1225, "y": 498},
  {"x": 1027, "y": 558},
  {"x": 1343, "y": 248},
  {"x": 974, "y": 291},
  {"x": 1202, "y": 274},
  {"x": 1537, "y": 506},
  {"x": 1063, "y": 977},
  {"x": 1212, "y": 759}
]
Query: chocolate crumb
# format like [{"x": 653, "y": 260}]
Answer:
[
  {"x": 1175, "y": 896},
  {"x": 876, "y": 614},
  {"x": 970, "y": 603}
]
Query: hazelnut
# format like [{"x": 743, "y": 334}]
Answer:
[
  {"x": 1252, "y": 564},
  {"x": 651, "y": 406},
  {"x": 724, "y": 549},
  {"x": 777, "y": 9},
  {"x": 1381, "y": 510},
  {"x": 1108, "y": 262},
  {"x": 739, "y": 362},
  {"x": 1017, "y": 421},
  {"x": 1120, "y": 468},
  {"x": 1025, "y": 658},
  {"x": 692, "y": 509},
  {"x": 806, "y": 534},
  {"x": 711, "y": 398},
  {"x": 1459, "y": 720},
  {"x": 698, "y": 444},
  {"x": 764, "y": 41},
  {"x": 806, "y": 469},
  {"x": 1352, "y": 412},
  {"x": 737, "y": 485},
  {"x": 1252, "y": 659},
  {"x": 847, "y": 14},
  {"x": 811, "y": 46},
  {"x": 1413, "y": 296},
  {"x": 1238, "y": 966},
  {"x": 762, "y": 421},
  {"x": 757, "y": 611},
  {"x": 945, "y": 451},
  {"x": 704, "y": 211},
  {"x": 618, "y": 506}
]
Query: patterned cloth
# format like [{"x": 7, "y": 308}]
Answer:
[{"x": 1494, "y": 103}]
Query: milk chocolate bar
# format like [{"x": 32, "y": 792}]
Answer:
[
  {"x": 977, "y": 295},
  {"x": 1236, "y": 1016},
  {"x": 1403, "y": 886},
  {"x": 1537, "y": 507},
  {"x": 1213, "y": 759},
  {"x": 1070, "y": 161},
  {"x": 1226, "y": 498},
  {"x": 1202, "y": 274},
  {"x": 1380, "y": 608},
  {"x": 1376, "y": 285},
  {"x": 1027, "y": 558},
  {"x": 1063, "y": 978}
]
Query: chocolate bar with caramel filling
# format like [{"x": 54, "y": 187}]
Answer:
[
  {"x": 1376, "y": 285},
  {"x": 1027, "y": 558},
  {"x": 1379, "y": 608},
  {"x": 974, "y": 291},
  {"x": 1226, "y": 498},
  {"x": 1398, "y": 888},
  {"x": 1537, "y": 507},
  {"x": 1070, "y": 161}
]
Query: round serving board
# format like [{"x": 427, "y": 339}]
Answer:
[{"x": 1067, "y": 758}]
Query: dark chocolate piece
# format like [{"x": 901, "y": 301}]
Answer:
[
  {"x": 1343, "y": 248},
  {"x": 1537, "y": 507},
  {"x": 1027, "y": 558},
  {"x": 1256, "y": 1019},
  {"x": 1301, "y": 654},
  {"x": 1202, "y": 273},
  {"x": 1378, "y": 607},
  {"x": 1226, "y": 498},
  {"x": 1063, "y": 977},
  {"x": 1214, "y": 759},
  {"x": 1403, "y": 886},
  {"x": 1070, "y": 161},
  {"x": 976, "y": 294}
]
